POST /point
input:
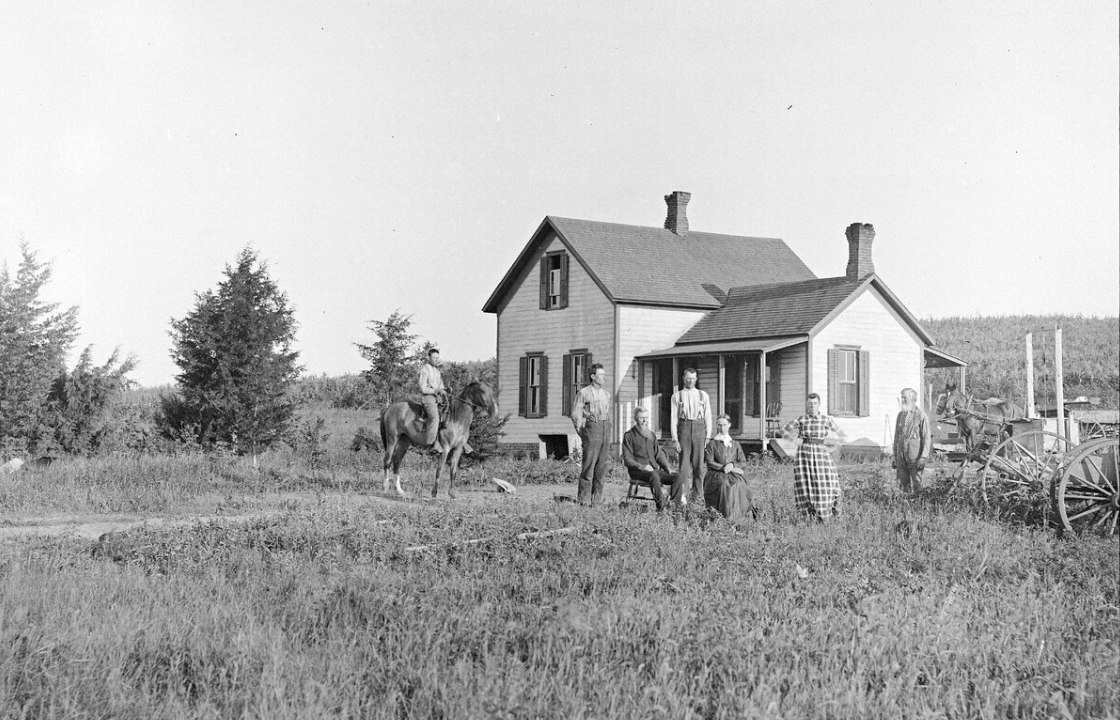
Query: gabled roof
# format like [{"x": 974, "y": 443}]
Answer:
[
  {"x": 655, "y": 266},
  {"x": 784, "y": 309}
]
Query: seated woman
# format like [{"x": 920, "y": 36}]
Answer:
[{"x": 725, "y": 487}]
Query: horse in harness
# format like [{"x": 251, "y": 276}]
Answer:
[
  {"x": 402, "y": 425},
  {"x": 977, "y": 419}
]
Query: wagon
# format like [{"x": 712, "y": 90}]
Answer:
[{"x": 1024, "y": 462}]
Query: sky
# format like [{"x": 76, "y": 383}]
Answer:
[{"x": 388, "y": 156}]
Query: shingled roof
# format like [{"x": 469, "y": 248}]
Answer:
[
  {"x": 786, "y": 309},
  {"x": 655, "y": 266}
]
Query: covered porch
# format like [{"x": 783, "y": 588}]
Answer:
[{"x": 760, "y": 384}]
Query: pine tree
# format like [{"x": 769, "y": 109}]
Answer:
[
  {"x": 35, "y": 338},
  {"x": 394, "y": 362},
  {"x": 236, "y": 364}
]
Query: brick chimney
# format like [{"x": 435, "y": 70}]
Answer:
[
  {"x": 860, "y": 236},
  {"x": 677, "y": 217}
]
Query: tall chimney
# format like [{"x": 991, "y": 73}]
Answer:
[
  {"x": 677, "y": 217},
  {"x": 860, "y": 236}
]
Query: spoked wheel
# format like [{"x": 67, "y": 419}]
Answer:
[
  {"x": 1088, "y": 494},
  {"x": 1023, "y": 466}
]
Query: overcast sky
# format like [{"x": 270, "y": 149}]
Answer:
[{"x": 390, "y": 155}]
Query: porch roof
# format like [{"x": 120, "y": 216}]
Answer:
[
  {"x": 939, "y": 359},
  {"x": 727, "y": 348}
]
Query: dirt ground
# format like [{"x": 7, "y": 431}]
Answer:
[{"x": 14, "y": 528}]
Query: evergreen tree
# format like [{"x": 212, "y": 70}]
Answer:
[
  {"x": 77, "y": 412},
  {"x": 394, "y": 362},
  {"x": 34, "y": 340},
  {"x": 236, "y": 363}
]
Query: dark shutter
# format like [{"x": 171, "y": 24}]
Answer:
[
  {"x": 544, "y": 386},
  {"x": 774, "y": 390},
  {"x": 586, "y": 369},
  {"x": 564, "y": 280},
  {"x": 833, "y": 386},
  {"x": 522, "y": 384},
  {"x": 544, "y": 283},
  {"x": 566, "y": 387},
  {"x": 864, "y": 383}
]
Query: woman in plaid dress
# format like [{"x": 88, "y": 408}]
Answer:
[{"x": 816, "y": 484}]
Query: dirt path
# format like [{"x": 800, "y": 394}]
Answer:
[{"x": 14, "y": 528}]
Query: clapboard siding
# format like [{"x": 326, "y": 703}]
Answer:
[
  {"x": 587, "y": 322},
  {"x": 895, "y": 360},
  {"x": 642, "y": 330}
]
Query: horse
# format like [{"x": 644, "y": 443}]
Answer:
[
  {"x": 973, "y": 425},
  {"x": 402, "y": 426}
]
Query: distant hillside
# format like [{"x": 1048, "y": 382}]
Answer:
[{"x": 995, "y": 350}]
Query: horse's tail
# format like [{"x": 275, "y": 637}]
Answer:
[{"x": 381, "y": 430}]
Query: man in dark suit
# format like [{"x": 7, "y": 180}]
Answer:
[{"x": 645, "y": 460}]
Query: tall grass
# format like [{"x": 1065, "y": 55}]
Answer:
[{"x": 902, "y": 609}]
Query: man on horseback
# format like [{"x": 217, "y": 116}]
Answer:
[{"x": 431, "y": 388}]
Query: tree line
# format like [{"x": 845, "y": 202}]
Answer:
[{"x": 238, "y": 384}]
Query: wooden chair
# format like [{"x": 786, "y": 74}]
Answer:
[
  {"x": 636, "y": 487},
  {"x": 773, "y": 420}
]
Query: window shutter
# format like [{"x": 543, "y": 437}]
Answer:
[
  {"x": 544, "y": 386},
  {"x": 864, "y": 383},
  {"x": 544, "y": 283},
  {"x": 566, "y": 387},
  {"x": 564, "y": 280},
  {"x": 833, "y": 371},
  {"x": 522, "y": 384},
  {"x": 586, "y": 369}
]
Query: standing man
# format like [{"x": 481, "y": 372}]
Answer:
[
  {"x": 641, "y": 452},
  {"x": 431, "y": 387},
  {"x": 591, "y": 414},
  {"x": 912, "y": 442},
  {"x": 691, "y": 427}
]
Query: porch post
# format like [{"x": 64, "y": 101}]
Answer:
[
  {"x": 722, "y": 385},
  {"x": 762, "y": 398}
]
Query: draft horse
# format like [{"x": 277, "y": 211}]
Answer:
[
  {"x": 402, "y": 426},
  {"x": 976, "y": 418}
]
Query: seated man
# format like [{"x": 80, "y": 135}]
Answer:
[{"x": 641, "y": 451}]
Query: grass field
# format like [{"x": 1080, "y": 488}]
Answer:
[{"x": 918, "y": 608}]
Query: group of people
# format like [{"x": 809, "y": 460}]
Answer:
[{"x": 712, "y": 467}]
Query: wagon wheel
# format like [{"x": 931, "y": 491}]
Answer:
[
  {"x": 1023, "y": 465},
  {"x": 1088, "y": 494}
]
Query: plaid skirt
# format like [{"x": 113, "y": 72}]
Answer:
[{"x": 816, "y": 484}]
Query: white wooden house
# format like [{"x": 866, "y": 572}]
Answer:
[{"x": 759, "y": 327}]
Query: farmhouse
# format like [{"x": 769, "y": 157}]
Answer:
[{"x": 760, "y": 328}]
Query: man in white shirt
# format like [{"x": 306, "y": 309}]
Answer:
[
  {"x": 691, "y": 426},
  {"x": 431, "y": 388}
]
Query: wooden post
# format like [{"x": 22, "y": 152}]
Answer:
[
  {"x": 762, "y": 398},
  {"x": 1030, "y": 377},
  {"x": 1058, "y": 382},
  {"x": 721, "y": 405}
]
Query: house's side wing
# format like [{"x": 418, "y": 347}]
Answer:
[
  {"x": 527, "y": 333},
  {"x": 887, "y": 355}
]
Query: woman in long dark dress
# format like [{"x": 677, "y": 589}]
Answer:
[{"x": 725, "y": 487}]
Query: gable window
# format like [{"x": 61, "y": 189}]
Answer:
[
  {"x": 554, "y": 281},
  {"x": 576, "y": 366},
  {"x": 532, "y": 400},
  {"x": 849, "y": 372}
]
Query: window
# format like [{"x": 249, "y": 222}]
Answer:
[
  {"x": 532, "y": 400},
  {"x": 848, "y": 382},
  {"x": 576, "y": 374},
  {"x": 554, "y": 281}
]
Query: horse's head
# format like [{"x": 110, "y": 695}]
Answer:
[
  {"x": 481, "y": 396},
  {"x": 950, "y": 402}
]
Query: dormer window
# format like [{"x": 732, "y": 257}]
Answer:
[{"x": 554, "y": 281}]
